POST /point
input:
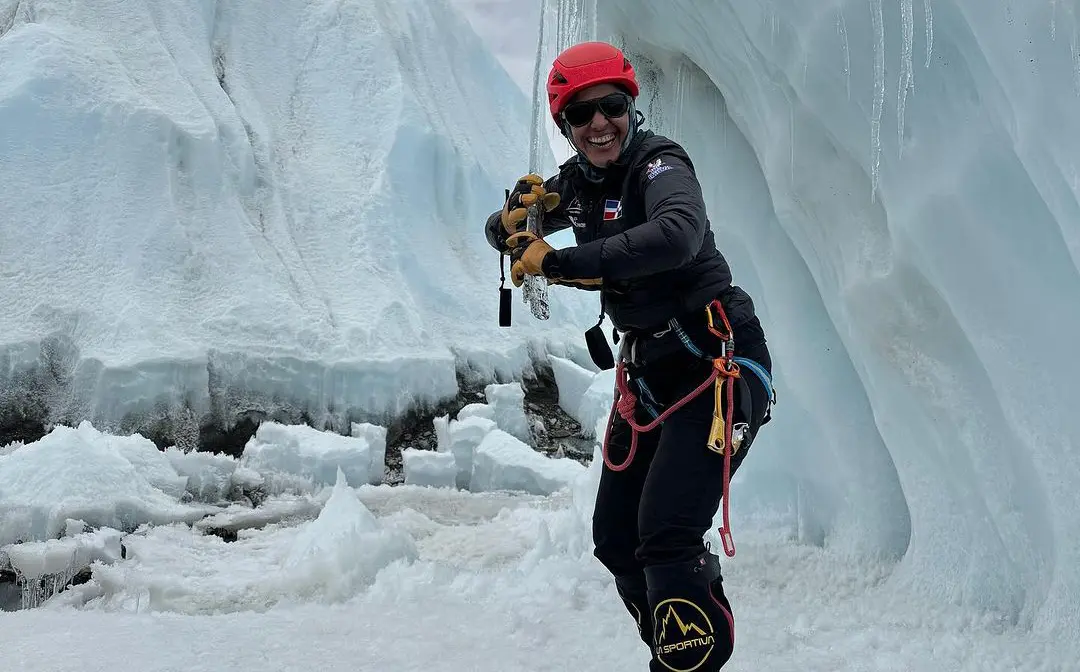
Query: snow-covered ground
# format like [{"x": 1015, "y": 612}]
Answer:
[
  {"x": 375, "y": 577},
  {"x": 338, "y": 572},
  {"x": 216, "y": 211}
]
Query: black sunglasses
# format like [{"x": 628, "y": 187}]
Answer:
[{"x": 612, "y": 106}]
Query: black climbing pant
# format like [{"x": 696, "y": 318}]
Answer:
[{"x": 650, "y": 519}]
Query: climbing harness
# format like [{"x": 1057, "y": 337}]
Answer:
[{"x": 724, "y": 437}]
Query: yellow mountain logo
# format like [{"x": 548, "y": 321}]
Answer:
[
  {"x": 684, "y": 628},
  {"x": 683, "y": 635}
]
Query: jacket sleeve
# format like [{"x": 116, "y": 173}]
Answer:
[
  {"x": 670, "y": 237},
  {"x": 554, "y": 221},
  {"x": 496, "y": 235}
]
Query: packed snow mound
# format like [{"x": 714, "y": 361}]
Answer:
[
  {"x": 429, "y": 468},
  {"x": 345, "y": 547},
  {"x": 462, "y": 436},
  {"x": 76, "y": 549},
  {"x": 473, "y": 410},
  {"x": 212, "y": 477},
  {"x": 503, "y": 462},
  {"x": 375, "y": 436},
  {"x": 300, "y": 458},
  {"x": 896, "y": 185},
  {"x": 486, "y": 448},
  {"x": 328, "y": 559},
  {"x": 83, "y": 474},
  {"x": 249, "y": 209},
  {"x": 585, "y": 395},
  {"x": 508, "y": 408},
  {"x": 80, "y": 498}
]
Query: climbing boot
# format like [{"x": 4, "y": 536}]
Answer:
[{"x": 693, "y": 626}]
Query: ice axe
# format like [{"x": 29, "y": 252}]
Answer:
[{"x": 534, "y": 289}]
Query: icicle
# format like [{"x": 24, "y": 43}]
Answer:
[
  {"x": 907, "y": 70},
  {"x": 1075, "y": 48},
  {"x": 723, "y": 120},
  {"x": 589, "y": 19},
  {"x": 1053, "y": 20},
  {"x": 791, "y": 143},
  {"x": 841, "y": 28},
  {"x": 575, "y": 22},
  {"x": 770, "y": 20},
  {"x": 562, "y": 28},
  {"x": 650, "y": 78},
  {"x": 37, "y": 591},
  {"x": 536, "y": 132},
  {"x": 879, "y": 93},
  {"x": 681, "y": 85},
  {"x": 928, "y": 10}
]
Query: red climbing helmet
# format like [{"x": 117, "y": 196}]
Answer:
[{"x": 584, "y": 65}]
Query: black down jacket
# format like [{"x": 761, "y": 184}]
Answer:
[{"x": 641, "y": 226}]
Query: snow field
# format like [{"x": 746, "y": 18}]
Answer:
[
  {"x": 504, "y": 572},
  {"x": 125, "y": 483}
]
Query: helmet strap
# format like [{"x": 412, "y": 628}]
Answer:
[{"x": 632, "y": 126}]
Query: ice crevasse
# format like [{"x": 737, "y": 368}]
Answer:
[{"x": 896, "y": 183}]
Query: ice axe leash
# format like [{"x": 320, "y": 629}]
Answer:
[
  {"x": 504, "y": 296},
  {"x": 504, "y": 292}
]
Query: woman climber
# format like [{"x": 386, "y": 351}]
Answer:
[{"x": 694, "y": 372}]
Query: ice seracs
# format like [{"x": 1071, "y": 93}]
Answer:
[
  {"x": 225, "y": 214},
  {"x": 902, "y": 431}
]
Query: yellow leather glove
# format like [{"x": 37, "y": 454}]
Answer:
[
  {"x": 527, "y": 191},
  {"x": 527, "y": 253}
]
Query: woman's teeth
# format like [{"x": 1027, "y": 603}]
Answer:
[{"x": 602, "y": 141}]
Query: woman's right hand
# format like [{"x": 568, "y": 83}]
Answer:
[{"x": 528, "y": 191}]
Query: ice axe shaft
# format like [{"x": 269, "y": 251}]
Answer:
[{"x": 534, "y": 290}]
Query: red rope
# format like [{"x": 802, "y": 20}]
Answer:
[
  {"x": 725, "y": 530},
  {"x": 731, "y": 371},
  {"x": 625, "y": 404}
]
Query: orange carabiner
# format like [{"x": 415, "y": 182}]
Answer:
[{"x": 727, "y": 338}]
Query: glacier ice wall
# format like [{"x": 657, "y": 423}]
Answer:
[
  {"x": 896, "y": 183},
  {"x": 210, "y": 201}
]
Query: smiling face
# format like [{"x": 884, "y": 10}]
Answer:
[{"x": 601, "y": 139}]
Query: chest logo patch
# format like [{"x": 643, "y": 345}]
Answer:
[
  {"x": 612, "y": 209},
  {"x": 574, "y": 212}
]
